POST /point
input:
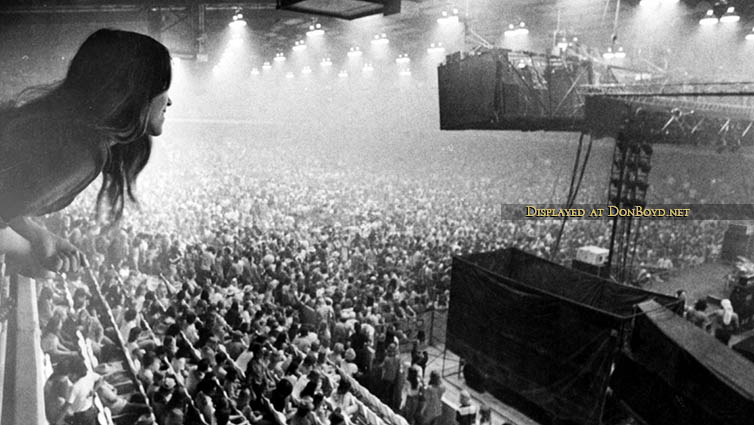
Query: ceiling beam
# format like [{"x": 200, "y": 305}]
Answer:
[{"x": 134, "y": 7}]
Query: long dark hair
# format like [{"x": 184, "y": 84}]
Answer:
[{"x": 109, "y": 87}]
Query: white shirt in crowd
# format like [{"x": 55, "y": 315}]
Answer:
[{"x": 81, "y": 397}]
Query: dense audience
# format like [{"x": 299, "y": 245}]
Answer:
[
  {"x": 262, "y": 257},
  {"x": 258, "y": 279}
]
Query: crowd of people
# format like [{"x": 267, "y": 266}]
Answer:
[
  {"x": 278, "y": 270},
  {"x": 268, "y": 268}
]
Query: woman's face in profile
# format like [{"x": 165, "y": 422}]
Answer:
[{"x": 157, "y": 113}]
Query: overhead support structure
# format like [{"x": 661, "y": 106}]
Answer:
[
  {"x": 182, "y": 25},
  {"x": 343, "y": 9}
]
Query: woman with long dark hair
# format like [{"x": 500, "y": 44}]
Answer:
[
  {"x": 55, "y": 141},
  {"x": 413, "y": 388},
  {"x": 432, "y": 408}
]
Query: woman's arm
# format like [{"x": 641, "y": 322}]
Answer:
[
  {"x": 52, "y": 251},
  {"x": 35, "y": 250}
]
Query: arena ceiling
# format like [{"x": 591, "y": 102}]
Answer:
[{"x": 485, "y": 20}]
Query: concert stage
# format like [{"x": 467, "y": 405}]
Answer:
[{"x": 707, "y": 279}]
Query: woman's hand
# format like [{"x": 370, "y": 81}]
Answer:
[
  {"x": 36, "y": 251},
  {"x": 55, "y": 253}
]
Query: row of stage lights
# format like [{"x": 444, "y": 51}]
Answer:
[
  {"x": 729, "y": 17},
  {"x": 710, "y": 18},
  {"x": 450, "y": 17},
  {"x": 356, "y": 52},
  {"x": 367, "y": 69},
  {"x": 401, "y": 60},
  {"x": 316, "y": 30}
]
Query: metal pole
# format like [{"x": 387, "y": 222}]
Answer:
[{"x": 431, "y": 327}]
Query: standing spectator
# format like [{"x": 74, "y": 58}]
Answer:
[
  {"x": 413, "y": 391},
  {"x": 432, "y": 409},
  {"x": 466, "y": 413},
  {"x": 391, "y": 372},
  {"x": 698, "y": 317},
  {"x": 725, "y": 321}
]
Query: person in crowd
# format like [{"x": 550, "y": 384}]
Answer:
[
  {"x": 698, "y": 316},
  {"x": 724, "y": 321},
  {"x": 342, "y": 400},
  {"x": 467, "y": 412},
  {"x": 51, "y": 343},
  {"x": 432, "y": 409},
  {"x": 680, "y": 294},
  {"x": 305, "y": 413},
  {"x": 45, "y": 305},
  {"x": 349, "y": 363},
  {"x": 485, "y": 415},
  {"x": 56, "y": 390},
  {"x": 173, "y": 417},
  {"x": 79, "y": 405},
  {"x": 390, "y": 374},
  {"x": 98, "y": 120},
  {"x": 413, "y": 390}
]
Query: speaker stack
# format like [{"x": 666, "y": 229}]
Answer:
[{"x": 737, "y": 241}]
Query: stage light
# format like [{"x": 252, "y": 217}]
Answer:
[
  {"x": 448, "y": 17},
  {"x": 299, "y": 46},
  {"x": 367, "y": 68},
  {"x": 255, "y": 71},
  {"x": 306, "y": 70},
  {"x": 343, "y": 74},
  {"x": 609, "y": 54},
  {"x": 562, "y": 43},
  {"x": 709, "y": 18},
  {"x": 750, "y": 36},
  {"x": 436, "y": 48},
  {"x": 402, "y": 59},
  {"x": 238, "y": 21},
  {"x": 354, "y": 52},
  {"x": 326, "y": 62},
  {"x": 279, "y": 57},
  {"x": 620, "y": 53},
  {"x": 730, "y": 16},
  {"x": 380, "y": 40},
  {"x": 266, "y": 66},
  {"x": 315, "y": 30},
  {"x": 514, "y": 30},
  {"x": 510, "y": 31}
]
